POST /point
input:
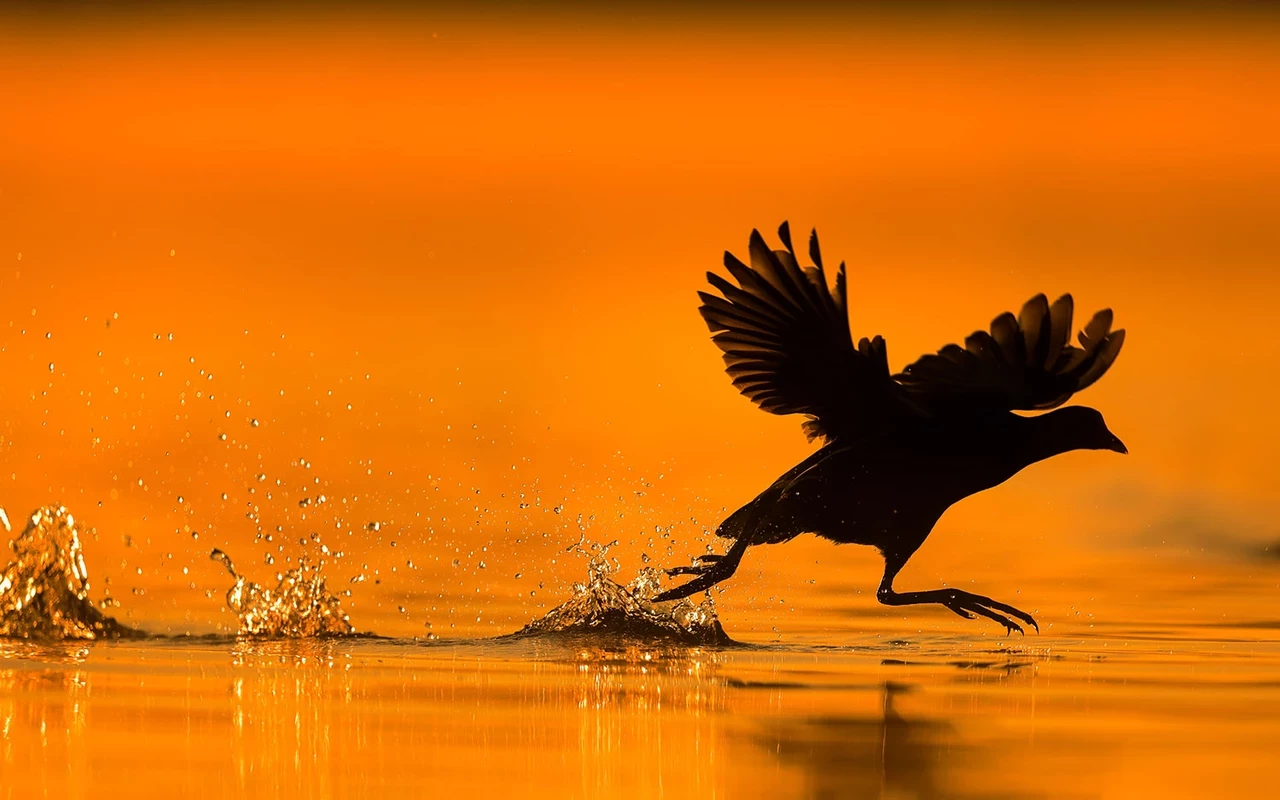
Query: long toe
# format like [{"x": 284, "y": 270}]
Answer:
[
  {"x": 1015, "y": 612},
  {"x": 701, "y": 566},
  {"x": 960, "y": 612},
  {"x": 1005, "y": 607},
  {"x": 704, "y": 581},
  {"x": 979, "y": 608}
]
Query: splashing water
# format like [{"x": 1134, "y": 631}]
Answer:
[
  {"x": 602, "y": 606},
  {"x": 44, "y": 595},
  {"x": 299, "y": 607},
  {"x": 44, "y": 592}
]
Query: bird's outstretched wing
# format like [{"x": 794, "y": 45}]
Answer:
[
  {"x": 787, "y": 345},
  {"x": 1025, "y": 363}
]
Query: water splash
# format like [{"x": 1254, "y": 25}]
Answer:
[
  {"x": 299, "y": 607},
  {"x": 603, "y": 606},
  {"x": 44, "y": 592}
]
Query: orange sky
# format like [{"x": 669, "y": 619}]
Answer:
[{"x": 485, "y": 236}]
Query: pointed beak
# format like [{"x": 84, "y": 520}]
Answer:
[{"x": 1117, "y": 446}]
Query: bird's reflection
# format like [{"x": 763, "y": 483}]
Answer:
[{"x": 880, "y": 756}]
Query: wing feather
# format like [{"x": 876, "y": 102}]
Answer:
[
  {"x": 1060, "y": 314},
  {"x": 744, "y": 300},
  {"x": 739, "y": 312},
  {"x": 1024, "y": 363},
  {"x": 1096, "y": 330},
  {"x": 1107, "y": 351},
  {"x": 1034, "y": 323},
  {"x": 786, "y": 342},
  {"x": 1004, "y": 329}
]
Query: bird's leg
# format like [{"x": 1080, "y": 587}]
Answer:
[
  {"x": 718, "y": 569},
  {"x": 965, "y": 604}
]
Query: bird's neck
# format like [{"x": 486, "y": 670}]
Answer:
[{"x": 1042, "y": 437}]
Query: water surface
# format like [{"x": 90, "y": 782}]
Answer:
[{"x": 855, "y": 701}]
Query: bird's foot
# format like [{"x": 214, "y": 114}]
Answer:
[
  {"x": 967, "y": 605},
  {"x": 709, "y": 569},
  {"x": 701, "y": 566}
]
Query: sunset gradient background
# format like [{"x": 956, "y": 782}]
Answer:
[{"x": 447, "y": 261}]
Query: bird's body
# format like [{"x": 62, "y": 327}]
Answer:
[
  {"x": 885, "y": 491},
  {"x": 900, "y": 450}
]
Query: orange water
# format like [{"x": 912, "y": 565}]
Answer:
[{"x": 1173, "y": 692}]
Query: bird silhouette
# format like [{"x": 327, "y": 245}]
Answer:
[{"x": 898, "y": 450}]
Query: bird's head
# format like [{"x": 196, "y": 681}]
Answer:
[{"x": 1083, "y": 428}]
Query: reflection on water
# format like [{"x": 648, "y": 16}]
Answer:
[
  {"x": 884, "y": 754},
  {"x": 309, "y": 678},
  {"x": 536, "y": 717},
  {"x": 868, "y": 756},
  {"x": 44, "y": 701},
  {"x": 310, "y": 717},
  {"x": 609, "y": 696}
]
